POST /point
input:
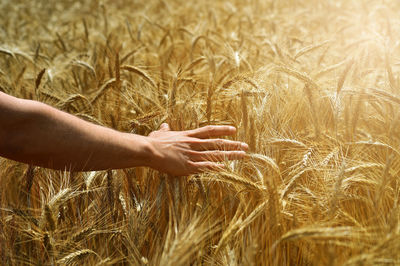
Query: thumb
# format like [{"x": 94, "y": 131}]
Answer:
[{"x": 164, "y": 127}]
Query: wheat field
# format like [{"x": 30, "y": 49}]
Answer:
[{"x": 312, "y": 86}]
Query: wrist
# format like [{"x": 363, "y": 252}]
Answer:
[
  {"x": 151, "y": 154},
  {"x": 138, "y": 150}
]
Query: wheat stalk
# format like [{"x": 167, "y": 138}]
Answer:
[
  {"x": 76, "y": 256},
  {"x": 139, "y": 72}
]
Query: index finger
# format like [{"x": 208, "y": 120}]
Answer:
[{"x": 211, "y": 131}]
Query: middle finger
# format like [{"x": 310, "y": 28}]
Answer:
[{"x": 219, "y": 144}]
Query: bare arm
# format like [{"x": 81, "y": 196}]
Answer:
[{"x": 35, "y": 133}]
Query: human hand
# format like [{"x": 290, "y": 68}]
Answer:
[{"x": 192, "y": 151}]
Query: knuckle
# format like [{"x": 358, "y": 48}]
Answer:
[
  {"x": 210, "y": 128},
  {"x": 220, "y": 143},
  {"x": 191, "y": 165},
  {"x": 237, "y": 153},
  {"x": 192, "y": 153},
  {"x": 217, "y": 155},
  {"x": 220, "y": 153},
  {"x": 193, "y": 142},
  {"x": 236, "y": 143},
  {"x": 208, "y": 165},
  {"x": 205, "y": 165}
]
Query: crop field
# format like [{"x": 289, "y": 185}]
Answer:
[{"x": 312, "y": 86}]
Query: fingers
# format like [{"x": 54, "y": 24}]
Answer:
[
  {"x": 216, "y": 156},
  {"x": 211, "y": 131},
  {"x": 203, "y": 166},
  {"x": 219, "y": 144},
  {"x": 164, "y": 127}
]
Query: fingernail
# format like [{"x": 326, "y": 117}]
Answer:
[
  {"x": 232, "y": 129},
  {"x": 244, "y": 146}
]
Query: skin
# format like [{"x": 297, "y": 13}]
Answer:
[{"x": 37, "y": 134}]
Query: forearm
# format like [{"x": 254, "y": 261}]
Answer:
[
  {"x": 44, "y": 136},
  {"x": 38, "y": 134}
]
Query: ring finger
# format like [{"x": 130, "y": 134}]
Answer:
[{"x": 216, "y": 156}]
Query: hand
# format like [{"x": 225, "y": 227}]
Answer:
[{"x": 187, "y": 152}]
